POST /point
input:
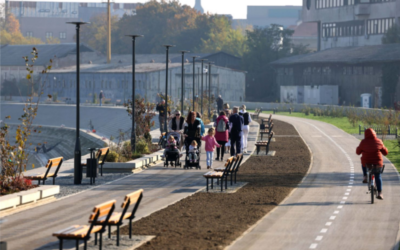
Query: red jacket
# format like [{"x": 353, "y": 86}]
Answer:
[
  {"x": 221, "y": 136},
  {"x": 371, "y": 149}
]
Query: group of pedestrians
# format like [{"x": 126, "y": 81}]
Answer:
[{"x": 229, "y": 134}]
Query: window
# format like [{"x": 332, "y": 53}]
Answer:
[
  {"x": 351, "y": 28},
  {"x": 29, "y": 34},
  {"x": 49, "y": 34},
  {"x": 63, "y": 35},
  {"x": 322, "y": 4},
  {"x": 379, "y": 26}
]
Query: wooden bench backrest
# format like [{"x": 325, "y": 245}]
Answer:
[
  {"x": 237, "y": 161},
  {"x": 229, "y": 162},
  {"x": 54, "y": 162},
  {"x": 102, "y": 209},
  {"x": 102, "y": 152},
  {"x": 132, "y": 198},
  {"x": 270, "y": 138}
]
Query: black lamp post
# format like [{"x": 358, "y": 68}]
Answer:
[
  {"x": 77, "y": 154},
  {"x": 209, "y": 89},
  {"x": 194, "y": 71},
  {"x": 183, "y": 78},
  {"x": 167, "y": 46},
  {"x": 202, "y": 73},
  {"x": 133, "y": 132}
]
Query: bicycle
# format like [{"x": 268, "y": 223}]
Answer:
[{"x": 372, "y": 170}]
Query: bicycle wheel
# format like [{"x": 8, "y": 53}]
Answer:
[{"x": 372, "y": 194}]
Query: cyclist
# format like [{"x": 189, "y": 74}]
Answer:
[{"x": 372, "y": 149}]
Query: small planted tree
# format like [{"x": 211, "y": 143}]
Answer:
[{"x": 14, "y": 151}]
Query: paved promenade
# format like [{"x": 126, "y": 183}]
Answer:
[
  {"x": 31, "y": 229},
  {"x": 330, "y": 210}
]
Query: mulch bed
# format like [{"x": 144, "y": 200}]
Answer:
[{"x": 213, "y": 221}]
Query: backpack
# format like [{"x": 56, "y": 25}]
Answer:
[{"x": 221, "y": 126}]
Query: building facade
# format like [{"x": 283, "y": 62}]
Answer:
[
  {"x": 355, "y": 70},
  {"x": 49, "y": 19},
  {"x": 116, "y": 83},
  {"x": 343, "y": 23},
  {"x": 264, "y": 16}
]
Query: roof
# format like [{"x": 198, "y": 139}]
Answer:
[
  {"x": 306, "y": 30},
  {"x": 11, "y": 55},
  {"x": 348, "y": 55},
  {"x": 189, "y": 56},
  {"x": 115, "y": 68}
]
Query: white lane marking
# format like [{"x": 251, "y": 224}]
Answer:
[
  {"x": 347, "y": 194},
  {"x": 332, "y": 217},
  {"x": 340, "y": 207},
  {"x": 351, "y": 183},
  {"x": 342, "y": 202},
  {"x": 313, "y": 246},
  {"x": 336, "y": 212},
  {"x": 319, "y": 238},
  {"x": 328, "y": 223},
  {"x": 350, "y": 186},
  {"x": 324, "y": 230},
  {"x": 344, "y": 198},
  {"x": 348, "y": 190}
]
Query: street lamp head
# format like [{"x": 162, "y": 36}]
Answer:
[
  {"x": 78, "y": 23},
  {"x": 194, "y": 57},
  {"x": 185, "y": 51},
  {"x": 134, "y": 36},
  {"x": 203, "y": 60},
  {"x": 168, "y": 46}
]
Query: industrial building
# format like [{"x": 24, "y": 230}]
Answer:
[
  {"x": 116, "y": 82},
  {"x": 343, "y": 23},
  {"x": 355, "y": 70},
  {"x": 49, "y": 19}
]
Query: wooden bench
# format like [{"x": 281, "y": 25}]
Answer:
[
  {"x": 266, "y": 130},
  {"x": 117, "y": 218},
  {"x": 101, "y": 156},
  {"x": 52, "y": 163},
  {"x": 265, "y": 144},
  {"x": 220, "y": 175},
  {"x": 256, "y": 114},
  {"x": 78, "y": 232},
  {"x": 234, "y": 169},
  {"x": 267, "y": 120}
]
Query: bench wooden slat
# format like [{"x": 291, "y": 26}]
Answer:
[
  {"x": 133, "y": 197},
  {"x": 54, "y": 162},
  {"x": 103, "y": 209}
]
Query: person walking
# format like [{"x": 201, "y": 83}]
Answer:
[
  {"x": 246, "y": 127},
  {"x": 236, "y": 130},
  {"x": 191, "y": 130},
  {"x": 371, "y": 148},
  {"x": 203, "y": 129},
  {"x": 161, "y": 115},
  {"x": 227, "y": 113},
  {"x": 211, "y": 143},
  {"x": 177, "y": 125},
  {"x": 101, "y": 96},
  {"x": 221, "y": 134},
  {"x": 220, "y": 103}
]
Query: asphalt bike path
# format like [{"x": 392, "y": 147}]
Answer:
[
  {"x": 33, "y": 228},
  {"x": 330, "y": 209}
]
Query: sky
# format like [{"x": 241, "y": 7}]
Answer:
[{"x": 237, "y": 8}]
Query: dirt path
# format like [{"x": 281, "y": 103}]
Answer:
[{"x": 213, "y": 221}]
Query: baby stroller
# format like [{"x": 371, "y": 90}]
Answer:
[
  {"x": 172, "y": 157},
  {"x": 195, "y": 164}
]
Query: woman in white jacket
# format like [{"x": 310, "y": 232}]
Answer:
[{"x": 246, "y": 127}]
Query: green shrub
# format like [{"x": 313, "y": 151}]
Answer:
[
  {"x": 142, "y": 147},
  {"x": 112, "y": 156}
]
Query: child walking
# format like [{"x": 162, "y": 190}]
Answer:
[
  {"x": 193, "y": 151},
  {"x": 210, "y": 146}
]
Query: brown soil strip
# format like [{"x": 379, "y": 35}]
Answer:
[{"x": 213, "y": 221}]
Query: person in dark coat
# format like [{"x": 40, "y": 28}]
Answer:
[
  {"x": 236, "y": 123},
  {"x": 220, "y": 103},
  {"x": 372, "y": 149},
  {"x": 177, "y": 125},
  {"x": 101, "y": 96},
  {"x": 161, "y": 115},
  {"x": 192, "y": 130}
]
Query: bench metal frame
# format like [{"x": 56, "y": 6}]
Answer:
[
  {"x": 222, "y": 177},
  {"x": 263, "y": 128}
]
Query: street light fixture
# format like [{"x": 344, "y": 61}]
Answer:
[
  {"x": 78, "y": 153},
  {"x": 133, "y": 132},
  {"x": 167, "y": 46},
  {"x": 202, "y": 73},
  {"x": 183, "y": 78},
  {"x": 194, "y": 71}
]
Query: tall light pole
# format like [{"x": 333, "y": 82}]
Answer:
[
  {"x": 183, "y": 78},
  {"x": 167, "y": 46},
  {"x": 133, "y": 132},
  {"x": 194, "y": 71},
  {"x": 202, "y": 73},
  {"x": 108, "y": 32},
  {"x": 209, "y": 89},
  {"x": 78, "y": 153}
]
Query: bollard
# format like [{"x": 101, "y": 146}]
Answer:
[{"x": 359, "y": 129}]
